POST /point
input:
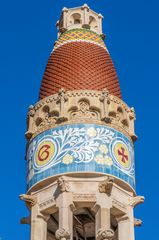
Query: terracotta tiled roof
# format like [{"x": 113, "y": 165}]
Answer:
[{"x": 79, "y": 65}]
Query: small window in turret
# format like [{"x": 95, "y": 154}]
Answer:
[
  {"x": 77, "y": 21},
  {"x": 76, "y": 17}
]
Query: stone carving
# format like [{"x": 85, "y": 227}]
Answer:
[
  {"x": 31, "y": 200},
  {"x": 84, "y": 197},
  {"x": 25, "y": 220},
  {"x": 106, "y": 186},
  {"x": 62, "y": 234},
  {"x": 63, "y": 184},
  {"x": 46, "y": 203},
  {"x": 105, "y": 234},
  {"x": 78, "y": 104},
  {"x": 137, "y": 222},
  {"x": 136, "y": 200},
  {"x": 84, "y": 111}
]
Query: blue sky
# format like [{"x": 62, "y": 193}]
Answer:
[{"x": 27, "y": 34}]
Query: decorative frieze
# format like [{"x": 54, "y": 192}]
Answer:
[
  {"x": 80, "y": 106},
  {"x": 84, "y": 197}
]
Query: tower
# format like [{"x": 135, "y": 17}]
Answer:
[{"x": 80, "y": 150}]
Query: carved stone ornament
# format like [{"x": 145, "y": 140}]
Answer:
[
  {"x": 81, "y": 105},
  {"x": 106, "y": 186},
  {"x": 137, "y": 222},
  {"x": 63, "y": 184},
  {"x": 31, "y": 200},
  {"x": 63, "y": 234},
  {"x": 105, "y": 234},
  {"x": 84, "y": 111},
  {"x": 136, "y": 200},
  {"x": 25, "y": 220}
]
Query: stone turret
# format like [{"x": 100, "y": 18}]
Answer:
[
  {"x": 80, "y": 150},
  {"x": 80, "y": 17}
]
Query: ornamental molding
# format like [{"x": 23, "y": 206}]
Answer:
[
  {"x": 46, "y": 204},
  {"x": 80, "y": 106},
  {"x": 84, "y": 197},
  {"x": 118, "y": 204}
]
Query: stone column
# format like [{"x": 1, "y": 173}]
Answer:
[
  {"x": 38, "y": 225},
  {"x": 65, "y": 230},
  {"x": 64, "y": 11},
  {"x": 85, "y": 16},
  {"x": 100, "y": 17},
  {"x": 102, "y": 219},
  {"x": 126, "y": 227}
]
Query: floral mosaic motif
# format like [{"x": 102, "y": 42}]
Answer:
[
  {"x": 67, "y": 159},
  {"x": 81, "y": 143},
  {"x": 104, "y": 160}
]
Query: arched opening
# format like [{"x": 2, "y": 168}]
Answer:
[
  {"x": 93, "y": 22},
  {"x": 75, "y": 19}
]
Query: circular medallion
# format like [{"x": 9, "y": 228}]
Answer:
[
  {"x": 44, "y": 152},
  {"x": 121, "y": 154}
]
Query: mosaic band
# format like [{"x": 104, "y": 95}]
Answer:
[{"x": 80, "y": 148}]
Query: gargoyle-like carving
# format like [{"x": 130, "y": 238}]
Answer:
[
  {"x": 25, "y": 220},
  {"x": 62, "y": 234},
  {"x": 106, "y": 186},
  {"x": 136, "y": 200},
  {"x": 105, "y": 234},
  {"x": 31, "y": 200},
  {"x": 63, "y": 184},
  {"x": 137, "y": 222}
]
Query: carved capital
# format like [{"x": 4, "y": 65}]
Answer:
[
  {"x": 105, "y": 234},
  {"x": 106, "y": 186},
  {"x": 31, "y": 200},
  {"x": 136, "y": 200},
  {"x": 63, "y": 234},
  {"x": 63, "y": 184}
]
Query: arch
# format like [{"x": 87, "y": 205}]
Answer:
[
  {"x": 112, "y": 114},
  {"x": 125, "y": 123},
  {"x": 75, "y": 18},
  {"x": 38, "y": 121},
  {"x": 46, "y": 109},
  {"x": 93, "y": 22},
  {"x": 119, "y": 109}
]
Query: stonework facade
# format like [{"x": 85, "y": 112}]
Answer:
[{"x": 80, "y": 151}]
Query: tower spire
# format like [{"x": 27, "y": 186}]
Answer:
[{"x": 80, "y": 151}]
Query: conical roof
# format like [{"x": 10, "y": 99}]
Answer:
[{"x": 80, "y": 60}]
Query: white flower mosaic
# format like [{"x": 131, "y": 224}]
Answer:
[{"x": 67, "y": 159}]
